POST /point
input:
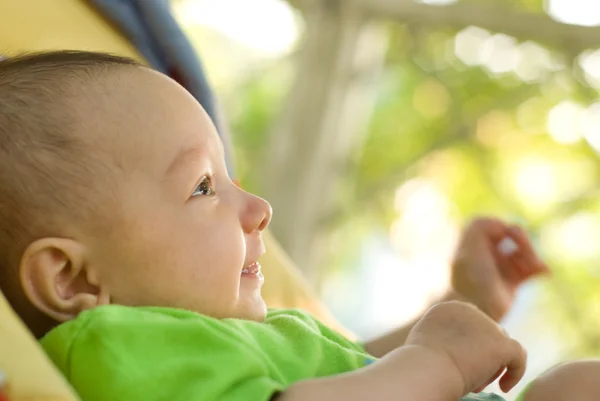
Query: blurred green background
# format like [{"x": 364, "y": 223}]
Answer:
[{"x": 377, "y": 129}]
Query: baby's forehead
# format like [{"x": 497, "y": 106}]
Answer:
[{"x": 141, "y": 117}]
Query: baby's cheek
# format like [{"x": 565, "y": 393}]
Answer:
[{"x": 228, "y": 247}]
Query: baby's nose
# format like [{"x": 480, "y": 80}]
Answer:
[{"x": 257, "y": 214}]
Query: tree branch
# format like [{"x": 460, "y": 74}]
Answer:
[{"x": 491, "y": 16}]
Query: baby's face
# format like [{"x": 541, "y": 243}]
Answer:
[{"x": 182, "y": 233}]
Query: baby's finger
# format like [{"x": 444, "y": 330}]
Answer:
[
  {"x": 526, "y": 250},
  {"x": 520, "y": 237},
  {"x": 512, "y": 265},
  {"x": 528, "y": 268},
  {"x": 523, "y": 242},
  {"x": 494, "y": 229},
  {"x": 523, "y": 266},
  {"x": 515, "y": 368},
  {"x": 490, "y": 381}
]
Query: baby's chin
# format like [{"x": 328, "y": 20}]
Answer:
[
  {"x": 250, "y": 304},
  {"x": 252, "y": 308},
  {"x": 255, "y": 311}
]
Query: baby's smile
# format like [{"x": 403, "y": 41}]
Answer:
[{"x": 253, "y": 270}]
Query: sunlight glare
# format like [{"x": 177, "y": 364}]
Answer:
[
  {"x": 564, "y": 122},
  {"x": 576, "y": 12},
  {"x": 266, "y": 26},
  {"x": 590, "y": 63},
  {"x": 535, "y": 183},
  {"x": 425, "y": 233},
  {"x": 590, "y": 125},
  {"x": 575, "y": 238}
]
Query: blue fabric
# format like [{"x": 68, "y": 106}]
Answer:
[
  {"x": 152, "y": 29},
  {"x": 482, "y": 397}
]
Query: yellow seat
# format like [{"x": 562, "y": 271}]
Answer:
[
  {"x": 29, "y": 373},
  {"x": 34, "y": 25}
]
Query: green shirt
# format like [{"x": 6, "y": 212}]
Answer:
[
  {"x": 130, "y": 354},
  {"x": 114, "y": 353}
]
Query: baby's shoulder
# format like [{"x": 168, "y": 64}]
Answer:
[{"x": 123, "y": 324}]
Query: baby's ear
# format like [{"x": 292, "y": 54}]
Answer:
[{"x": 56, "y": 280}]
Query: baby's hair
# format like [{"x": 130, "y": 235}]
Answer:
[{"x": 45, "y": 165}]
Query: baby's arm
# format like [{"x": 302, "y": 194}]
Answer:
[
  {"x": 408, "y": 373},
  {"x": 573, "y": 381},
  {"x": 454, "y": 349}
]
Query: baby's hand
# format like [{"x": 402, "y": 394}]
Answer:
[
  {"x": 572, "y": 381},
  {"x": 493, "y": 259},
  {"x": 478, "y": 348}
]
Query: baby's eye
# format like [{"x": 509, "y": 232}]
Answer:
[{"x": 205, "y": 188}]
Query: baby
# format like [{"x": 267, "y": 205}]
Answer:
[{"x": 127, "y": 248}]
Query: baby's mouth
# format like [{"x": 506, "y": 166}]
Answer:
[{"x": 253, "y": 269}]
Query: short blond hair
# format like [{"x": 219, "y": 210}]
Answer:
[{"x": 44, "y": 168}]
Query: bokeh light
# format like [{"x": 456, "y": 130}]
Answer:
[
  {"x": 468, "y": 44},
  {"x": 499, "y": 53},
  {"x": 590, "y": 63},
  {"x": 575, "y": 239},
  {"x": 590, "y": 125},
  {"x": 536, "y": 183},
  {"x": 576, "y": 12},
  {"x": 268, "y": 27},
  {"x": 564, "y": 122}
]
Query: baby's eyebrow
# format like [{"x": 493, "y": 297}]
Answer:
[{"x": 183, "y": 158}]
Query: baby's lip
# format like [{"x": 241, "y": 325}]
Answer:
[
  {"x": 252, "y": 268},
  {"x": 252, "y": 265}
]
